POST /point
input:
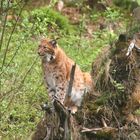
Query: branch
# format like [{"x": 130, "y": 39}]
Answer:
[
  {"x": 64, "y": 116},
  {"x": 4, "y": 24},
  {"x": 60, "y": 109},
  {"x": 49, "y": 130},
  {"x": 10, "y": 37},
  {"x": 99, "y": 130},
  {"x": 71, "y": 80}
]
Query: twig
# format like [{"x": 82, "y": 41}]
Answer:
[
  {"x": 48, "y": 133},
  {"x": 15, "y": 53},
  {"x": 102, "y": 129},
  {"x": 104, "y": 123},
  {"x": 4, "y": 25},
  {"x": 13, "y": 30},
  {"x": 3, "y": 31},
  {"x": 66, "y": 129},
  {"x": 65, "y": 117},
  {"x": 71, "y": 80},
  {"x": 114, "y": 115},
  {"x": 133, "y": 45},
  {"x": 107, "y": 129},
  {"x": 20, "y": 85},
  {"x": 60, "y": 109}
]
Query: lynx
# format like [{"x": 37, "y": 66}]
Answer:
[{"x": 56, "y": 67}]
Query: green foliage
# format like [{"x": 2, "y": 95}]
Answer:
[
  {"x": 119, "y": 87},
  {"x": 95, "y": 15},
  {"x": 20, "y": 99},
  {"x": 22, "y": 89},
  {"x": 42, "y": 21},
  {"x": 46, "y": 20},
  {"x": 102, "y": 100},
  {"x": 138, "y": 1},
  {"x": 113, "y": 14}
]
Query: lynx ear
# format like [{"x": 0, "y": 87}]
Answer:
[{"x": 53, "y": 43}]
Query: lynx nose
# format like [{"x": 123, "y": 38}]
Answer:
[{"x": 40, "y": 52}]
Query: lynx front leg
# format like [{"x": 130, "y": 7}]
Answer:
[
  {"x": 60, "y": 88},
  {"x": 50, "y": 86},
  {"x": 61, "y": 92},
  {"x": 51, "y": 92},
  {"x": 57, "y": 92}
]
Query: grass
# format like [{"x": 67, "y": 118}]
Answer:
[{"x": 22, "y": 90}]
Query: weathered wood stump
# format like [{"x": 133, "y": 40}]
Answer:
[{"x": 57, "y": 124}]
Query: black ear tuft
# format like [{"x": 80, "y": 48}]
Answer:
[{"x": 53, "y": 43}]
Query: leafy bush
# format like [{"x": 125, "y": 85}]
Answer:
[
  {"x": 112, "y": 14},
  {"x": 47, "y": 20}
]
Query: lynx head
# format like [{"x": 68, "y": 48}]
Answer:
[{"x": 47, "y": 49}]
